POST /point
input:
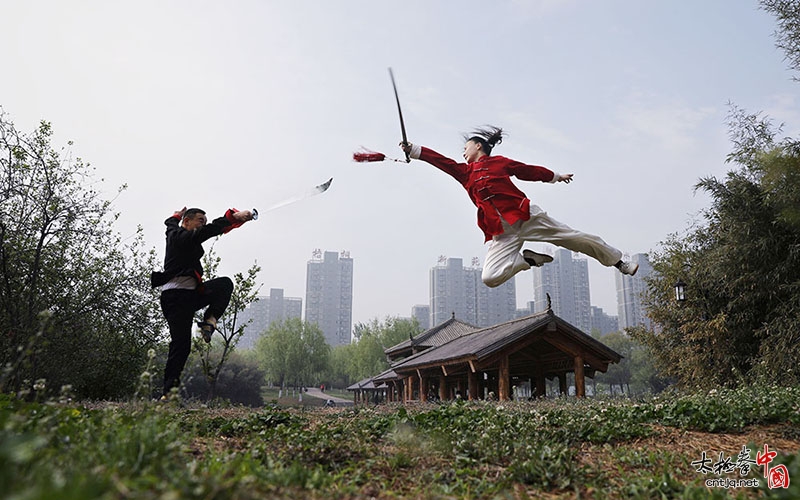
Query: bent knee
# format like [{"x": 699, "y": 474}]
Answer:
[
  {"x": 494, "y": 281},
  {"x": 226, "y": 283}
]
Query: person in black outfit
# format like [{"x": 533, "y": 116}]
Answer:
[{"x": 183, "y": 291}]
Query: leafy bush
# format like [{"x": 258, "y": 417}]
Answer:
[{"x": 239, "y": 382}]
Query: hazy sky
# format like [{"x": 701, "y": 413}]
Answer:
[{"x": 240, "y": 104}]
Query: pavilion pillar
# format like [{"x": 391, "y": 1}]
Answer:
[
  {"x": 562, "y": 384},
  {"x": 472, "y": 385},
  {"x": 503, "y": 380},
  {"x": 540, "y": 381},
  {"x": 541, "y": 386},
  {"x": 442, "y": 387},
  {"x": 580, "y": 380},
  {"x": 423, "y": 388}
]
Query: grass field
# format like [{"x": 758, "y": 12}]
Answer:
[{"x": 594, "y": 448}]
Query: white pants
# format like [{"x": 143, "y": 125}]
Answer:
[{"x": 504, "y": 259}]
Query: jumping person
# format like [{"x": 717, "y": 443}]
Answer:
[
  {"x": 183, "y": 291},
  {"x": 506, "y": 215}
]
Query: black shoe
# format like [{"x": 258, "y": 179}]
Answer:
[
  {"x": 207, "y": 329},
  {"x": 536, "y": 259}
]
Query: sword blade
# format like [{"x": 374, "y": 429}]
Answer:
[
  {"x": 399, "y": 112},
  {"x": 300, "y": 196}
]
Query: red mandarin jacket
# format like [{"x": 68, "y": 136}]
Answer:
[{"x": 488, "y": 182}]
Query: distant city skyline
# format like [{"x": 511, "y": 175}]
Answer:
[{"x": 454, "y": 289}]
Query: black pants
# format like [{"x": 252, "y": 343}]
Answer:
[{"x": 179, "y": 307}]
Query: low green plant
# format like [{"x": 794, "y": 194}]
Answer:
[{"x": 557, "y": 448}]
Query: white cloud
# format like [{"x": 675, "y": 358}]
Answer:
[{"x": 663, "y": 124}]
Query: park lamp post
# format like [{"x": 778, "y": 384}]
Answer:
[{"x": 680, "y": 291}]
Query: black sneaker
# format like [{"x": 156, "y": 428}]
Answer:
[
  {"x": 206, "y": 329},
  {"x": 536, "y": 259}
]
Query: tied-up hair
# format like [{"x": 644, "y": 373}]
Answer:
[
  {"x": 488, "y": 137},
  {"x": 190, "y": 213}
]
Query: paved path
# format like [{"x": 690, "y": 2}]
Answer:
[{"x": 315, "y": 392}]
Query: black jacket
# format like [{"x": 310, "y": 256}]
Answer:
[{"x": 185, "y": 249}]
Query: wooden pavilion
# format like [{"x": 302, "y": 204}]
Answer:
[{"x": 459, "y": 360}]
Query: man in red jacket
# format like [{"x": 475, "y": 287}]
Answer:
[
  {"x": 183, "y": 291},
  {"x": 506, "y": 215}
]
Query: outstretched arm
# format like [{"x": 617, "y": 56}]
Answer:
[
  {"x": 458, "y": 171},
  {"x": 536, "y": 173},
  {"x": 235, "y": 218}
]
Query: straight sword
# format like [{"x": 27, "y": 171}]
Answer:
[
  {"x": 300, "y": 196},
  {"x": 400, "y": 112}
]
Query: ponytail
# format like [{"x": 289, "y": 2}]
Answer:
[{"x": 488, "y": 137}]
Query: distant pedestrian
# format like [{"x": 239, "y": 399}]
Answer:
[{"x": 506, "y": 215}]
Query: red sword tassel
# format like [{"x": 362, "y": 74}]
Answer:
[{"x": 366, "y": 155}]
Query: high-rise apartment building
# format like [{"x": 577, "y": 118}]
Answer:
[
  {"x": 423, "y": 315},
  {"x": 329, "y": 295},
  {"x": 630, "y": 291},
  {"x": 448, "y": 292},
  {"x": 496, "y": 305},
  {"x": 458, "y": 290},
  {"x": 265, "y": 311},
  {"x": 566, "y": 279},
  {"x": 602, "y": 322}
]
